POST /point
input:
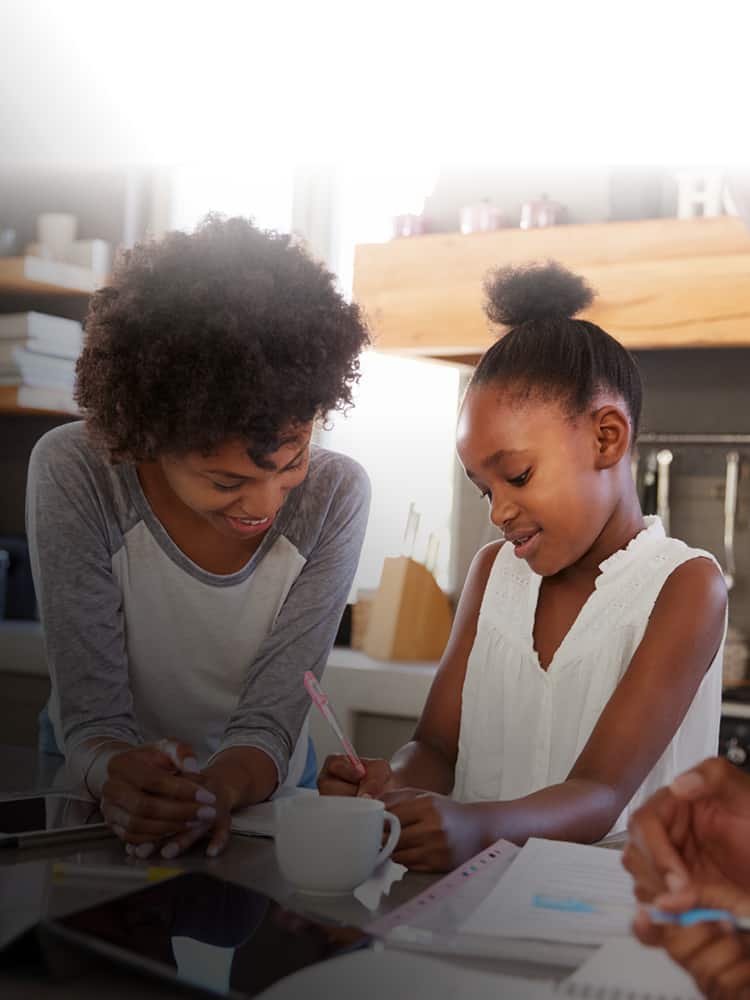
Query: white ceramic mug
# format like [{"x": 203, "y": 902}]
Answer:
[{"x": 330, "y": 844}]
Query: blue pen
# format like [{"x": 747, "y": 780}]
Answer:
[
  {"x": 698, "y": 916},
  {"x": 569, "y": 904}
]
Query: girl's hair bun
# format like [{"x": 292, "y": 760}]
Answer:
[{"x": 517, "y": 295}]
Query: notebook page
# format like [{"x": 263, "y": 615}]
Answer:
[
  {"x": 557, "y": 870},
  {"x": 624, "y": 965}
]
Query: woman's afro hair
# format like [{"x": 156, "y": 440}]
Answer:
[{"x": 229, "y": 332}]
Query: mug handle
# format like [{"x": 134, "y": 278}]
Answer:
[{"x": 387, "y": 849}]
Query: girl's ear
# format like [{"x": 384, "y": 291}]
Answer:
[{"x": 612, "y": 429}]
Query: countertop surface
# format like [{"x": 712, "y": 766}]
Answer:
[{"x": 28, "y": 892}]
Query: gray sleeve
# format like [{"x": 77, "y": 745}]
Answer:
[
  {"x": 79, "y": 599},
  {"x": 273, "y": 703}
]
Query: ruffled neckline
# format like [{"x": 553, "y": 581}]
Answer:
[{"x": 650, "y": 535}]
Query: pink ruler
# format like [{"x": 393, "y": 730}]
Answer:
[{"x": 447, "y": 903}]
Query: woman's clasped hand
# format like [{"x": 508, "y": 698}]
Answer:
[{"x": 156, "y": 797}]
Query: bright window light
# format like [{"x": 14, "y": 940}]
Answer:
[
  {"x": 402, "y": 430},
  {"x": 580, "y": 83}
]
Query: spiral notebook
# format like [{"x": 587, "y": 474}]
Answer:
[
  {"x": 459, "y": 914},
  {"x": 484, "y": 909}
]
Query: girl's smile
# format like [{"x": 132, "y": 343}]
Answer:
[{"x": 524, "y": 543}]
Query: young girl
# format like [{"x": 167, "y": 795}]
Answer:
[
  {"x": 584, "y": 666},
  {"x": 192, "y": 550}
]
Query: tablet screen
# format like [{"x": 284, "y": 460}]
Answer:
[{"x": 209, "y": 933}]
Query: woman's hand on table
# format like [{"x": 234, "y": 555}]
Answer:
[
  {"x": 236, "y": 776},
  {"x": 716, "y": 955},
  {"x": 437, "y": 833},
  {"x": 338, "y": 776},
  {"x": 147, "y": 800},
  {"x": 217, "y": 828},
  {"x": 696, "y": 831}
]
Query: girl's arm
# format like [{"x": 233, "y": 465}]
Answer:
[
  {"x": 428, "y": 760},
  {"x": 639, "y": 720}
]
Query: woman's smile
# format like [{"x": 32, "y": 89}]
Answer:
[{"x": 248, "y": 527}]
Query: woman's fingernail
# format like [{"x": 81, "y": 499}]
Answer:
[
  {"x": 203, "y": 795},
  {"x": 212, "y": 851},
  {"x": 144, "y": 850},
  {"x": 206, "y": 812},
  {"x": 688, "y": 783},
  {"x": 675, "y": 881},
  {"x": 190, "y": 765},
  {"x": 364, "y": 795},
  {"x": 130, "y": 849},
  {"x": 170, "y": 851}
]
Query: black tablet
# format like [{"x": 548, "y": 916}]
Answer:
[
  {"x": 204, "y": 932},
  {"x": 34, "y": 820}
]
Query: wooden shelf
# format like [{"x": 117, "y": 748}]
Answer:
[
  {"x": 661, "y": 283},
  {"x": 9, "y": 405},
  {"x": 50, "y": 277}
]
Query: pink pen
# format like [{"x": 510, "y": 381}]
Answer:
[{"x": 320, "y": 698}]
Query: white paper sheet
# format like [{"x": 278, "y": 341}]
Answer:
[
  {"x": 260, "y": 820},
  {"x": 593, "y": 875}
]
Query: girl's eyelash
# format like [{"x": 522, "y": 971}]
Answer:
[
  {"x": 485, "y": 494},
  {"x": 520, "y": 480}
]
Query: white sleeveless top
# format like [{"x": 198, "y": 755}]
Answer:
[{"x": 523, "y": 728}]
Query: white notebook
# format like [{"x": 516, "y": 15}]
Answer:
[
  {"x": 623, "y": 969},
  {"x": 558, "y": 872}
]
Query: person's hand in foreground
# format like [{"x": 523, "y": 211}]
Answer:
[
  {"x": 696, "y": 832},
  {"x": 716, "y": 955}
]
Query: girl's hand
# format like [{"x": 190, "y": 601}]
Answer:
[
  {"x": 716, "y": 956},
  {"x": 696, "y": 831},
  {"x": 145, "y": 799},
  {"x": 339, "y": 777},
  {"x": 437, "y": 833}
]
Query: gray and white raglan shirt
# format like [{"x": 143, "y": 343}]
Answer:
[{"x": 142, "y": 643}]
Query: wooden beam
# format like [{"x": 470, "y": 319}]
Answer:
[{"x": 660, "y": 283}]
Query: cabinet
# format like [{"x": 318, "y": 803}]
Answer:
[{"x": 660, "y": 283}]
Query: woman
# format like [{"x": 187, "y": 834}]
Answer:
[{"x": 192, "y": 551}]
